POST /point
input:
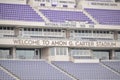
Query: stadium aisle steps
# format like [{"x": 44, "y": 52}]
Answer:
[
  {"x": 33, "y": 70},
  {"x": 7, "y": 75},
  {"x": 41, "y": 14},
  {"x": 63, "y": 71},
  {"x": 87, "y": 71},
  {"x": 91, "y": 17},
  {"x": 115, "y": 65}
]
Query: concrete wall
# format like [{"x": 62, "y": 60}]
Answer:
[
  {"x": 13, "y": 1},
  {"x": 99, "y": 5},
  {"x": 58, "y": 3},
  {"x": 45, "y": 53}
]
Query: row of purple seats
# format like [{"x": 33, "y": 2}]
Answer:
[
  {"x": 62, "y": 16},
  {"x": 18, "y": 12},
  {"x": 104, "y": 16},
  {"x": 5, "y": 76},
  {"x": 87, "y": 71},
  {"x": 113, "y": 64},
  {"x": 33, "y": 70}
]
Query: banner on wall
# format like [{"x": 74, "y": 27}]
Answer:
[{"x": 68, "y": 43}]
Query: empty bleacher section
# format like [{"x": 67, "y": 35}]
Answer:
[
  {"x": 76, "y": 40},
  {"x": 87, "y": 71},
  {"x": 115, "y": 65},
  {"x": 62, "y": 16},
  {"x": 5, "y": 76},
  {"x": 18, "y": 12},
  {"x": 33, "y": 70},
  {"x": 105, "y": 16}
]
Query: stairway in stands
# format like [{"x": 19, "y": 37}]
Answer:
[
  {"x": 7, "y": 75},
  {"x": 41, "y": 14},
  {"x": 112, "y": 65},
  {"x": 32, "y": 70},
  {"x": 63, "y": 71},
  {"x": 88, "y": 15},
  {"x": 87, "y": 71}
]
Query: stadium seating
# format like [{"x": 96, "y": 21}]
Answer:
[
  {"x": 5, "y": 76},
  {"x": 33, "y": 70},
  {"x": 18, "y": 12},
  {"x": 87, "y": 71},
  {"x": 113, "y": 64},
  {"x": 62, "y": 16},
  {"x": 104, "y": 16}
]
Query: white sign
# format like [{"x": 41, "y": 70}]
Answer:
[
  {"x": 68, "y": 43},
  {"x": 70, "y": 24},
  {"x": 103, "y": 4}
]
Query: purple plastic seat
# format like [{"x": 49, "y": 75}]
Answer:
[
  {"x": 5, "y": 76},
  {"x": 115, "y": 65},
  {"x": 87, "y": 71},
  {"x": 104, "y": 16},
  {"x": 33, "y": 70},
  {"x": 18, "y": 12},
  {"x": 62, "y": 16}
]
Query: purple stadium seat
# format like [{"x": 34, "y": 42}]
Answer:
[
  {"x": 18, "y": 12},
  {"x": 104, "y": 16},
  {"x": 5, "y": 76},
  {"x": 87, "y": 71},
  {"x": 33, "y": 70},
  {"x": 62, "y": 16},
  {"x": 115, "y": 65}
]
